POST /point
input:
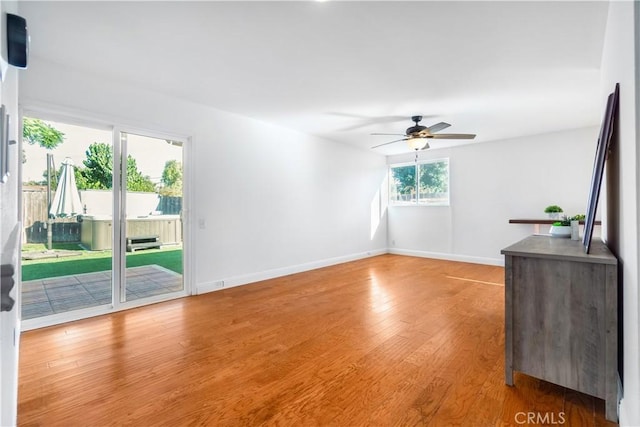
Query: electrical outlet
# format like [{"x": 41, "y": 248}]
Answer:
[
  {"x": 202, "y": 223},
  {"x": 219, "y": 284}
]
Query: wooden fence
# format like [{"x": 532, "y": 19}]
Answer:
[{"x": 34, "y": 218}]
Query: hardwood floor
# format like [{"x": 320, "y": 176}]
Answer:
[{"x": 390, "y": 340}]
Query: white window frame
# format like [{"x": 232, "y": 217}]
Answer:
[{"x": 417, "y": 201}]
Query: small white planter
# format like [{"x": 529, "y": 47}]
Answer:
[
  {"x": 560, "y": 230},
  {"x": 575, "y": 230},
  {"x": 554, "y": 215}
]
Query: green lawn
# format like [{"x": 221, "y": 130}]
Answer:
[{"x": 92, "y": 261}]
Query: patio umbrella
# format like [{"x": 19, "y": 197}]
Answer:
[{"x": 66, "y": 201}]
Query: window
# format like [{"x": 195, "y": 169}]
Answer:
[{"x": 430, "y": 178}]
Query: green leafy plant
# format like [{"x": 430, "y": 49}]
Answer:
[
  {"x": 35, "y": 131},
  {"x": 565, "y": 221},
  {"x": 553, "y": 209}
]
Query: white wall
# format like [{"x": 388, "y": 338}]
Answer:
[
  {"x": 620, "y": 65},
  {"x": 491, "y": 183},
  {"x": 100, "y": 203},
  {"x": 265, "y": 200},
  {"x": 9, "y": 231}
]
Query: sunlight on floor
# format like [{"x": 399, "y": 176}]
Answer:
[{"x": 381, "y": 299}]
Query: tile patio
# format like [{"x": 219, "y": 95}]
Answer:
[{"x": 61, "y": 294}]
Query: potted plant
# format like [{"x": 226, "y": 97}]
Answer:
[
  {"x": 553, "y": 211},
  {"x": 561, "y": 228},
  {"x": 575, "y": 226}
]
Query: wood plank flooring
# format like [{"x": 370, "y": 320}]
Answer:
[{"x": 384, "y": 341}]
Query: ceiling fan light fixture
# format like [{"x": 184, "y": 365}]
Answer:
[{"x": 417, "y": 143}]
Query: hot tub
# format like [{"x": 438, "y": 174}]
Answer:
[{"x": 97, "y": 230}]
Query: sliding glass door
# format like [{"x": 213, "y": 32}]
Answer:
[
  {"x": 103, "y": 224},
  {"x": 152, "y": 230}
]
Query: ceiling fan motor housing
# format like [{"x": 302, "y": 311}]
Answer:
[{"x": 415, "y": 129}]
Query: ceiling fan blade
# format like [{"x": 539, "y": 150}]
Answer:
[
  {"x": 390, "y": 142},
  {"x": 354, "y": 127},
  {"x": 372, "y": 119},
  {"x": 366, "y": 121},
  {"x": 389, "y": 134},
  {"x": 438, "y": 127},
  {"x": 453, "y": 136}
]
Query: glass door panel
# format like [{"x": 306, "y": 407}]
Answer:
[
  {"x": 153, "y": 226},
  {"x": 67, "y": 207}
]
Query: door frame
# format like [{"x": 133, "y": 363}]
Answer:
[
  {"x": 78, "y": 118},
  {"x": 120, "y": 212}
]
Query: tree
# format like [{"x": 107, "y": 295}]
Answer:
[
  {"x": 81, "y": 180},
  {"x": 405, "y": 178},
  {"x": 135, "y": 180},
  {"x": 172, "y": 178},
  {"x": 98, "y": 171},
  {"x": 434, "y": 177},
  {"x": 35, "y": 131},
  {"x": 55, "y": 176}
]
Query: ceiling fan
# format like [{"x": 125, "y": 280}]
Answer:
[{"x": 418, "y": 136}]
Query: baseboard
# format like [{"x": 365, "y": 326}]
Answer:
[
  {"x": 448, "y": 256},
  {"x": 230, "y": 282}
]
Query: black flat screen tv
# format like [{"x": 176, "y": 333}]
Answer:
[{"x": 602, "y": 150}]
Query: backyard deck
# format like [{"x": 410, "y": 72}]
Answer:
[{"x": 54, "y": 295}]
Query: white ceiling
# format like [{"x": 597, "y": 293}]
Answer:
[{"x": 342, "y": 70}]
